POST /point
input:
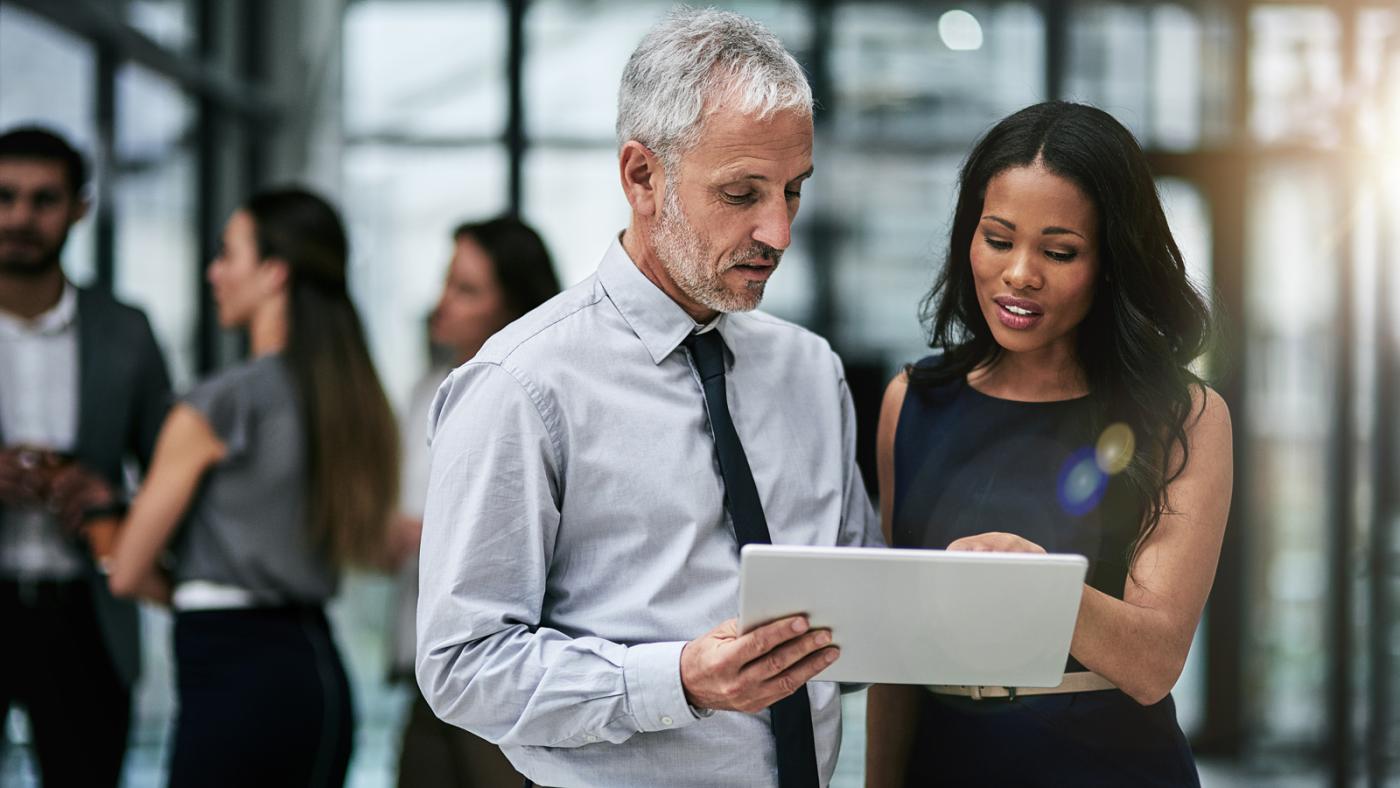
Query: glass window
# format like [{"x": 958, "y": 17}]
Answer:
[
  {"x": 576, "y": 50},
  {"x": 391, "y": 89},
  {"x": 49, "y": 80},
  {"x": 1290, "y": 344},
  {"x": 1162, "y": 69},
  {"x": 1295, "y": 67},
  {"x": 904, "y": 74},
  {"x": 167, "y": 22},
  {"x": 574, "y": 199},
  {"x": 400, "y": 204},
  {"x": 1109, "y": 64},
  {"x": 894, "y": 212},
  {"x": 158, "y": 262}
]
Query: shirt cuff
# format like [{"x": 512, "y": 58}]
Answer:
[{"x": 652, "y": 672}]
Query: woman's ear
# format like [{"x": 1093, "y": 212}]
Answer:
[
  {"x": 642, "y": 178},
  {"x": 275, "y": 273}
]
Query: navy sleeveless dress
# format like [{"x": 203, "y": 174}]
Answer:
[{"x": 967, "y": 463}]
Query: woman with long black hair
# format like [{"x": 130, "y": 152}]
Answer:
[
  {"x": 1060, "y": 414},
  {"x": 267, "y": 479}
]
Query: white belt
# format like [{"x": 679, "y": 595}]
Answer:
[
  {"x": 204, "y": 595},
  {"x": 1085, "y": 681}
]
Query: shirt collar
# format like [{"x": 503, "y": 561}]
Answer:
[
  {"x": 59, "y": 318},
  {"x": 658, "y": 321}
]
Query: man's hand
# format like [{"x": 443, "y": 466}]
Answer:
[
  {"x": 74, "y": 490},
  {"x": 21, "y": 479},
  {"x": 728, "y": 671},
  {"x": 995, "y": 542}
]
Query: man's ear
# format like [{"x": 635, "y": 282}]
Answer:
[
  {"x": 642, "y": 178},
  {"x": 81, "y": 206}
]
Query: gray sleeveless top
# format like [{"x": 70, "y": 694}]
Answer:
[{"x": 247, "y": 526}]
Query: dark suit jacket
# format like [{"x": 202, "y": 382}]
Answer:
[{"x": 123, "y": 397}]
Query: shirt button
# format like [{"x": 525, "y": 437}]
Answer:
[
  {"x": 666, "y": 720},
  {"x": 590, "y": 737}
]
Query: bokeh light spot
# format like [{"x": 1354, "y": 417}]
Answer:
[
  {"x": 960, "y": 31},
  {"x": 1115, "y": 448},
  {"x": 1082, "y": 483}
]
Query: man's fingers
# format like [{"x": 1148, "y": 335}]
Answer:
[
  {"x": 785, "y": 656},
  {"x": 795, "y": 677},
  {"x": 768, "y": 637}
]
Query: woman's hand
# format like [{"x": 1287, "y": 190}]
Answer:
[{"x": 995, "y": 542}]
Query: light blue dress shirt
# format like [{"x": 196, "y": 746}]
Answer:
[{"x": 575, "y": 536}]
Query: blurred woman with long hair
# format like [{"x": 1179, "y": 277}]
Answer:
[
  {"x": 500, "y": 269},
  {"x": 1060, "y": 413},
  {"x": 267, "y": 480}
]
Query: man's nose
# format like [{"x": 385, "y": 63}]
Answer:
[{"x": 774, "y": 224}]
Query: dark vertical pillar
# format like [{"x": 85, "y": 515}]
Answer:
[
  {"x": 515, "y": 109},
  {"x": 1380, "y": 728},
  {"x": 1227, "y": 183},
  {"x": 1057, "y": 17},
  {"x": 251, "y": 67},
  {"x": 105, "y": 222},
  {"x": 1222, "y": 732},
  {"x": 206, "y": 177},
  {"x": 1341, "y": 541},
  {"x": 825, "y": 229}
]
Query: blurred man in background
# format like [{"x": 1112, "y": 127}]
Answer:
[{"x": 83, "y": 388}]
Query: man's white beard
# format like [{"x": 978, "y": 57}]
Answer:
[{"x": 685, "y": 256}]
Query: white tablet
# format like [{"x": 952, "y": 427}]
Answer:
[{"x": 923, "y": 616}]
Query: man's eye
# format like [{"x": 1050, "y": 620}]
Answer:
[
  {"x": 794, "y": 195},
  {"x": 737, "y": 199}
]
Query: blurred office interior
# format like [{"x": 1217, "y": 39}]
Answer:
[{"x": 1274, "y": 129}]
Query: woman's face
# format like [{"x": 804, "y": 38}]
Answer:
[
  {"x": 241, "y": 281},
  {"x": 1035, "y": 258},
  {"x": 472, "y": 306}
]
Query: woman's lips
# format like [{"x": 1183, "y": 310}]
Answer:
[{"x": 1018, "y": 314}]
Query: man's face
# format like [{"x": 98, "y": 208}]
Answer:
[
  {"x": 37, "y": 208},
  {"x": 727, "y": 218}
]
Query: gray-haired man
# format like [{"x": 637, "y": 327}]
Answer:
[{"x": 597, "y": 465}]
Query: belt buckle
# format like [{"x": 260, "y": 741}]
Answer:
[{"x": 975, "y": 692}]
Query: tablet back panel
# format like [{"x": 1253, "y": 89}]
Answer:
[{"x": 923, "y": 616}]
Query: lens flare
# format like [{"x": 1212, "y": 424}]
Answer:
[
  {"x": 1082, "y": 483},
  {"x": 1115, "y": 448}
]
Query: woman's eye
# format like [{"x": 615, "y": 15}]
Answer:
[
  {"x": 1063, "y": 257},
  {"x": 997, "y": 243}
]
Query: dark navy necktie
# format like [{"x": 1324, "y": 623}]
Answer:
[{"x": 791, "y": 716}]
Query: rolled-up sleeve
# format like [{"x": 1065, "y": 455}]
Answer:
[{"x": 484, "y": 661}]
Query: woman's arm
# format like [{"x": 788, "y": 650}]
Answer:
[
  {"x": 185, "y": 449},
  {"x": 1140, "y": 642},
  {"x": 891, "y": 710}
]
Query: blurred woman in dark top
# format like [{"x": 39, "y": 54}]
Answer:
[{"x": 500, "y": 269}]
